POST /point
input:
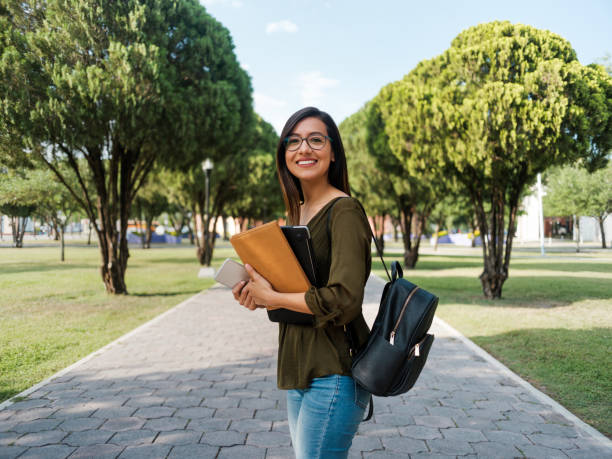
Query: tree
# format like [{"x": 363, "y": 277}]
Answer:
[
  {"x": 17, "y": 201},
  {"x": 120, "y": 85},
  {"x": 399, "y": 137},
  {"x": 508, "y": 102},
  {"x": 574, "y": 191},
  {"x": 368, "y": 183},
  {"x": 150, "y": 202},
  {"x": 258, "y": 197}
]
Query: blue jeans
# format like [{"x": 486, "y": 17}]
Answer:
[{"x": 324, "y": 418}]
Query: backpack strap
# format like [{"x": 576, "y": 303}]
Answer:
[
  {"x": 347, "y": 330},
  {"x": 380, "y": 254}
]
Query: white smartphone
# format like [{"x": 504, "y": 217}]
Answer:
[{"x": 230, "y": 273}]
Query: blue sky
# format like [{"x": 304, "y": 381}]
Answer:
[{"x": 337, "y": 54}]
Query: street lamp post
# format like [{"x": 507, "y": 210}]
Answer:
[{"x": 207, "y": 166}]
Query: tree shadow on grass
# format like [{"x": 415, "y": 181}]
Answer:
[
  {"x": 154, "y": 294},
  {"x": 17, "y": 268},
  {"x": 528, "y": 291}
]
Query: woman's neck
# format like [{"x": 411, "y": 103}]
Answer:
[{"x": 316, "y": 192}]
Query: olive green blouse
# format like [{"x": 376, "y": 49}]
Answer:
[{"x": 307, "y": 352}]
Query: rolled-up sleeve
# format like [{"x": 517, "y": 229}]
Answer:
[{"x": 339, "y": 302}]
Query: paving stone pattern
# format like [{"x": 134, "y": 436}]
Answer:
[{"x": 201, "y": 383}]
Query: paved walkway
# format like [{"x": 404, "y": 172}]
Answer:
[{"x": 200, "y": 381}]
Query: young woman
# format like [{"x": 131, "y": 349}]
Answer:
[{"x": 324, "y": 403}]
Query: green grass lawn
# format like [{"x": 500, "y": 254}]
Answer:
[
  {"x": 52, "y": 313},
  {"x": 553, "y": 325}
]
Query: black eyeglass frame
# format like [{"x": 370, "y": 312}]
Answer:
[{"x": 286, "y": 140}]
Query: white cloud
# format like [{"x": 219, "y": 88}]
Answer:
[
  {"x": 313, "y": 86},
  {"x": 271, "y": 109},
  {"x": 281, "y": 26}
]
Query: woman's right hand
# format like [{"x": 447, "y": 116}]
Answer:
[{"x": 243, "y": 295}]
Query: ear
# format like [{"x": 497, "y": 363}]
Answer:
[{"x": 333, "y": 157}]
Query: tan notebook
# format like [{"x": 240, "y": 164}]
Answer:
[{"x": 266, "y": 249}]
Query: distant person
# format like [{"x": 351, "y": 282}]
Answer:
[{"x": 324, "y": 404}]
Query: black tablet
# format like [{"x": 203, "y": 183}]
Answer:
[{"x": 299, "y": 240}]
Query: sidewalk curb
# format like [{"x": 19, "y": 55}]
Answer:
[
  {"x": 542, "y": 397},
  {"x": 35, "y": 387}
]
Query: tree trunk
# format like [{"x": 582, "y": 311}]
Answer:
[
  {"x": 225, "y": 231},
  {"x": 148, "y": 231},
  {"x": 601, "y": 219},
  {"x": 577, "y": 232},
  {"x": 62, "y": 245},
  {"x": 18, "y": 225},
  {"x": 89, "y": 234},
  {"x": 437, "y": 230}
]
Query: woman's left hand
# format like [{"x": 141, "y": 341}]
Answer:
[{"x": 259, "y": 288}]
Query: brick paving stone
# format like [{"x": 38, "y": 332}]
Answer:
[
  {"x": 78, "y": 424},
  {"x": 377, "y": 430},
  {"x": 280, "y": 426},
  {"x": 394, "y": 419},
  {"x": 48, "y": 452},
  {"x": 257, "y": 403},
  {"x": 193, "y": 451},
  {"x": 420, "y": 432},
  {"x": 405, "y": 445},
  {"x": 32, "y": 414},
  {"x": 178, "y": 437},
  {"x": 194, "y": 412},
  {"x": 30, "y": 403},
  {"x": 271, "y": 415},
  {"x": 78, "y": 411},
  {"x": 133, "y": 437},
  {"x": 497, "y": 450},
  {"x": 268, "y": 439},
  {"x": 183, "y": 402},
  {"x": 37, "y": 426},
  {"x": 384, "y": 455},
  {"x": 208, "y": 425},
  {"x": 446, "y": 411},
  {"x": 154, "y": 412},
  {"x": 235, "y": 413},
  {"x": 251, "y": 425},
  {"x": 104, "y": 451},
  {"x": 143, "y": 402},
  {"x": 244, "y": 393},
  {"x": 11, "y": 452},
  {"x": 363, "y": 443},
  {"x": 541, "y": 452},
  {"x": 166, "y": 423},
  {"x": 87, "y": 437},
  {"x": 281, "y": 453},
  {"x": 223, "y": 438},
  {"x": 221, "y": 402},
  {"x": 434, "y": 421},
  {"x": 559, "y": 430},
  {"x": 46, "y": 437},
  {"x": 146, "y": 452},
  {"x": 508, "y": 438},
  {"x": 241, "y": 452},
  {"x": 8, "y": 438},
  {"x": 114, "y": 412},
  {"x": 444, "y": 446},
  {"x": 552, "y": 441},
  {"x": 519, "y": 427},
  {"x": 462, "y": 434},
  {"x": 120, "y": 424}
]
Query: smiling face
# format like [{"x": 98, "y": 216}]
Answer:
[{"x": 306, "y": 163}]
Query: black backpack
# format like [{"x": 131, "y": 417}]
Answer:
[{"x": 397, "y": 348}]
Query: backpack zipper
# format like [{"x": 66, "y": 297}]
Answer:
[{"x": 399, "y": 319}]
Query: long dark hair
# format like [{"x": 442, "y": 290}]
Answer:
[{"x": 337, "y": 174}]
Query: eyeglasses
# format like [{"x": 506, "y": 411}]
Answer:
[{"x": 314, "y": 141}]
